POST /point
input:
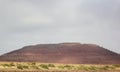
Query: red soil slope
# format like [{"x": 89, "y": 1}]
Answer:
[{"x": 74, "y": 53}]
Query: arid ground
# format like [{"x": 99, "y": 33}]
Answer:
[{"x": 54, "y": 67}]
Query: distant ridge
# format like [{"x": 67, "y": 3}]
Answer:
[{"x": 73, "y": 53}]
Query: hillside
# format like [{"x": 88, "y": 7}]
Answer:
[{"x": 73, "y": 53}]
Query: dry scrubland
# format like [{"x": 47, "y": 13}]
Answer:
[{"x": 52, "y": 67}]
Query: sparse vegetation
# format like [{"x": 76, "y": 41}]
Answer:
[
  {"x": 33, "y": 63},
  {"x": 34, "y": 67},
  {"x": 59, "y": 67},
  {"x": 51, "y": 65},
  {"x": 44, "y": 66},
  {"x": 20, "y": 67},
  {"x": 12, "y": 64}
]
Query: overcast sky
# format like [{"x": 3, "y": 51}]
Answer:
[{"x": 29, "y": 22}]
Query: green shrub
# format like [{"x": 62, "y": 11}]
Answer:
[
  {"x": 34, "y": 67},
  {"x": 12, "y": 64},
  {"x": 51, "y": 65},
  {"x": 105, "y": 68},
  {"x": 68, "y": 67},
  {"x": 116, "y": 65},
  {"x": 25, "y": 67},
  {"x": 20, "y": 67},
  {"x": 6, "y": 65},
  {"x": 83, "y": 68},
  {"x": 61, "y": 67},
  {"x": 33, "y": 63},
  {"x": 44, "y": 66},
  {"x": 93, "y": 68}
]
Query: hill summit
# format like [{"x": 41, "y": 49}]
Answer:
[{"x": 69, "y": 53}]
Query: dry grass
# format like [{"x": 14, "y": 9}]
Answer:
[{"x": 54, "y": 67}]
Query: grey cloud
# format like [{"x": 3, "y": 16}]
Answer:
[{"x": 24, "y": 22}]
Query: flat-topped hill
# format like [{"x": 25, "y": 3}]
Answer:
[{"x": 73, "y": 53}]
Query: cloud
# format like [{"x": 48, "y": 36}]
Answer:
[
  {"x": 24, "y": 22},
  {"x": 37, "y": 20}
]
